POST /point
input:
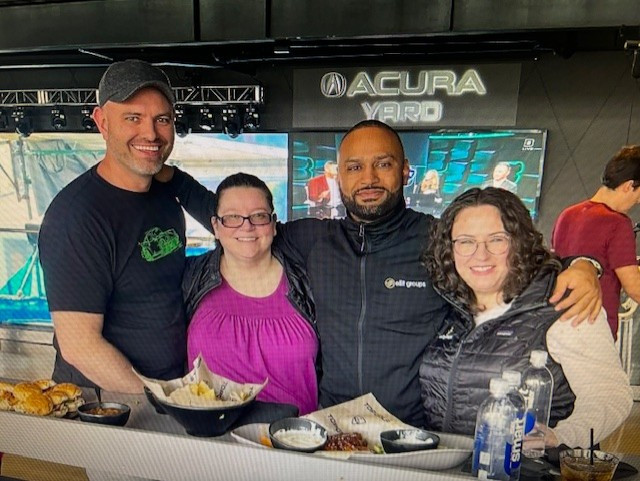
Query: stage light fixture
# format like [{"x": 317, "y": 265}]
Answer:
[
  {"x": 58, "y": 119},
  {"x": 251, "y": 118},
  {"x": 87, "y": 122},
  {"x": 181, "y": 124},
  {"x": 231, "y": 122},
  {"x": 206, "y": 121},
  {"x": 22, "y": 122}
]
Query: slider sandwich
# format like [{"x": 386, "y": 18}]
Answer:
[
  {"x": 73, "y": 396},
  {"x": 23, "y": 390},
  {"x": 36, "y": 403}
]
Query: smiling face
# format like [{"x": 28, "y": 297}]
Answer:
[
  {"x": 139, "y": 133},
  {"x": 371, "y": 172},
  {"x": 483, "y": 272},
  {"x": 248, "y": 242}
]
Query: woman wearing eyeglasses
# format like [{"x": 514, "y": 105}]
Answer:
[
  {"x": 488, "y": 260},
  {"x": 250, "y": 309}
]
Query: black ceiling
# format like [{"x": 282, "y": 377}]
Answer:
[{"x": 213, "y": 34}]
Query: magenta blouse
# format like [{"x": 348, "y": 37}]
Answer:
[{"x": 249, "y": 339}]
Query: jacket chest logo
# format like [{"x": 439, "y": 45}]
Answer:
[{"x": 391, "y": 283}]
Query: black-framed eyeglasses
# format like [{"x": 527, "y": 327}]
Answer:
[
  {"x": 235, "y": 220},
  {"x": 496, "y": 245}
]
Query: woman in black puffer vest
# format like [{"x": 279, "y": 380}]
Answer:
[{"x": 488, "y": 260}]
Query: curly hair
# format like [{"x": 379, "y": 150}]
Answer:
[{"x": 527, "y": 253}]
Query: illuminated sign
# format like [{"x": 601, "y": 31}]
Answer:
[{"x": 411, "y": 96}]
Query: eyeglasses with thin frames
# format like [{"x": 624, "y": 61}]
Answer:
[
  {"x": 496, "y": 245},
  {"x": 257, "y": 219}
]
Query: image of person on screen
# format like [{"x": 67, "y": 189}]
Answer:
[
  {"x": 324, "y": 193},
  {"x": 427, "y": 196},
  {"x": 600, "y": 227},
  {"x": 376, "y": 309},
  {"x": 500, "y": 178}
]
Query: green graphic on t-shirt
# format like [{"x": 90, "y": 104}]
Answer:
[{"x": 158, "y": 244}]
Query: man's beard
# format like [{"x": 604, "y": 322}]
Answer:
[{"x": 373, "y": 212}]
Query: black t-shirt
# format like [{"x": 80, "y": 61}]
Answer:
[{"x": 121, "y": 254}]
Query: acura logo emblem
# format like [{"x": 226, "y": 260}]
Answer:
[{"x": 333, "y": 85}]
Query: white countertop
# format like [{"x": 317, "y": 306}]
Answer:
[{"x": 155, "y": 446}]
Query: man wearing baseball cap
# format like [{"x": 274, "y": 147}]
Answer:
[{"x": 112, "y": 245}]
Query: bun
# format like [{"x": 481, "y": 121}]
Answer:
[
  {"x": 71, "y": 390},
  {"x": 44, "y": 383},
  {"x": 5, "y": 386},
  {"x": 37, "y": 404},
  {"x": 57, "y": 397},
  {"x": 23, "y": 390}
]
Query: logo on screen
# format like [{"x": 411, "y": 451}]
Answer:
[
  {"x": 528, "y": 143},
  {"x": 333, "y": 85}
]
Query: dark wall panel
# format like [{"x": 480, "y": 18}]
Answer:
[
  {"x": 96, "y": 22},
  {"x": 470, "y": 15},
  {"x": 232, "y": 20},
  {"x": 589, "y": 103},
  {"x": 348, "y": 18}
]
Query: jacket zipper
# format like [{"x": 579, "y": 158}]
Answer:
[
  {"x": 454, "y": 367},
  {"x": 363, "y": 306}
]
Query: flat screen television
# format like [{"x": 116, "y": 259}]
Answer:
[{"x": 444, "y": 164}]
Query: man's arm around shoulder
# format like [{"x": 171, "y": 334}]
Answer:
[
  {"x": 196, "y": 199},
  {"x": 79, "y": 336}
]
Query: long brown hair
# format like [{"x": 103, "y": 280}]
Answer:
[{"x": 527, "y": 252}]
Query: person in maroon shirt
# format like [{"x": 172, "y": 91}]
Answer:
[{"x": 600, "y": 227}]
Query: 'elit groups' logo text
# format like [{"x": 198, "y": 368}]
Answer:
[{"x": 391, "y": 283}]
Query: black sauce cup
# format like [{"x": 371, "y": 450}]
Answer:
[
  {"x": 119, "y": 419},
  {"x": 407, "y": 440}
]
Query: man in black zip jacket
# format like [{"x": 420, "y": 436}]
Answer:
[{"x": 376, "y": 309}]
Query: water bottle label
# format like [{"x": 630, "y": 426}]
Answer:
[
  {"x": 512, "y": 456},
  {"x": 485, "y": 458},
  {"x": 507, "y": 458},
  {"x": 529, "y": 422},
  {"x": 483, "y": 475},
  {"x": 478, "y": 446}
]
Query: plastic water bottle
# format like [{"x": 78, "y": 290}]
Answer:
[
  {"x": 537, "y": 390},
  {"x": 514, "y": 450},
  {"x": 493, "y": 434}
]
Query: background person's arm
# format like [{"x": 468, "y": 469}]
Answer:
[
  {"x": 630, "y": 279},
  {"x": 591, "y": 364},
  {"x": 79, "y": 336}
]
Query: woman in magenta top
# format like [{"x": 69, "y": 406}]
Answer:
[{"x": 252, "y": 315}]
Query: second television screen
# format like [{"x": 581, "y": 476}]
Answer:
[{"x": 444, "y": 164}]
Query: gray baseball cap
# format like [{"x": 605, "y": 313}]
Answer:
[{"x": 123, "y": 79}]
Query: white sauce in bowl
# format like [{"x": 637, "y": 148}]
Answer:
[
  {"x": 300, "y": 438},
  {"x": 411, "y": 437}
]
